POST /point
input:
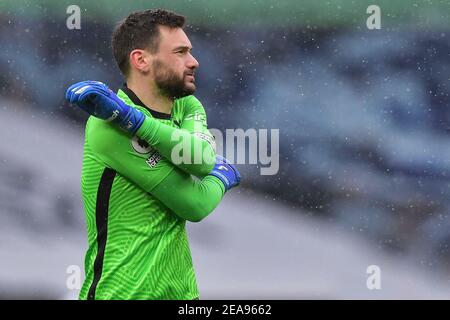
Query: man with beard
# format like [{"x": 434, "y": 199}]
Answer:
[{"x": 137, "y": 194}]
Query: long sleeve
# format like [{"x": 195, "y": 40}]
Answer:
[
  {"x": 194, "y": 199},
  {"x": 190, "y": 148},
  {"x": 187, "y": 197}
]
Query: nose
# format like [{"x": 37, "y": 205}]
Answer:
[{"x": 192, "y": 63}]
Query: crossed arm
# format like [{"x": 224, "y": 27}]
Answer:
[
  {"x": 194, "y": 199},
  {"x": 187, "y": 197},
  {"x": 97, "y": 99},
  {"x": 197, "y": 151}
]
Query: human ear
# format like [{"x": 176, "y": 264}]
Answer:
[{"x": 140, "y": 60}]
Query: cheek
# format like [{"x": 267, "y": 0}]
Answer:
[
  {"x": 180, "y": 62},
  {"x": 181, "y": 65},
  {"x": 176, "y": 64}
]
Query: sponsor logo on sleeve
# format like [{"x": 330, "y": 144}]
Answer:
[{"x": 196, "y": 117}]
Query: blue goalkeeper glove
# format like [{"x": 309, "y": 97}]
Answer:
[
  {"x": 226, "y": 172},
  {"x": 98, "y": 100}
]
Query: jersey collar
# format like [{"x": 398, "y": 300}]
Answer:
[{"x": 134, "y": 98}]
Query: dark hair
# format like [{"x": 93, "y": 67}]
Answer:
[{"x": 140, "y": 31}]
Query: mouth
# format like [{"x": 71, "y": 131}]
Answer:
[{"x": 190, "y": 76}]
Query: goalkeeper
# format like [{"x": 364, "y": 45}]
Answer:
[{"x": 136, "y": 196}]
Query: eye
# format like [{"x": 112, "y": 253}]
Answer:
[{"x": 183, "y": 51}]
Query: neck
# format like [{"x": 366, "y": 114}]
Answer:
[{"x": 150, "y": 96}]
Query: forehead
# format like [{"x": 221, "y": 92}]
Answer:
[{"x": 172, "y": 38}]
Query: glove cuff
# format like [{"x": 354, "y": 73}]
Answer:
[{"x": 132, "y": 121}]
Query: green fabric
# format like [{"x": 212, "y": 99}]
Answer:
[
  {"x": 147, "y": 254},
  {"x": 193, "y": 136}
]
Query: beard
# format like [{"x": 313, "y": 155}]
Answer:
[{"x": 169, "y": 83}]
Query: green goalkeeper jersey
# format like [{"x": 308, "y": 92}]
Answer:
[{"x": 137, "y": 202}]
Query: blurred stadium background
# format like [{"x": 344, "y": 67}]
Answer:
[{"x": 364, "y": 123}]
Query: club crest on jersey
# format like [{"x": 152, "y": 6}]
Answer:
[{"x": 140, "y": 146}]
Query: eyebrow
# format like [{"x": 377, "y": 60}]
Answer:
[{"x": 183, "y": 47}]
